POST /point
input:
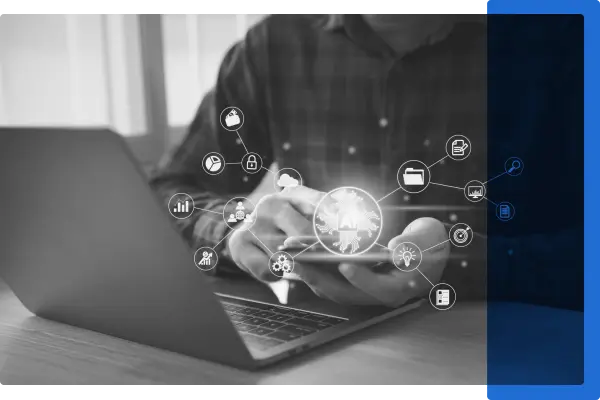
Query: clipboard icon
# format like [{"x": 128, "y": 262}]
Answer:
[{"x": 414, "y": 177}]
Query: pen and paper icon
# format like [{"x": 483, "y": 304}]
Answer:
[{"x": 458, "y": 147}]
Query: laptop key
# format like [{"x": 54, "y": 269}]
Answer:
[
  {"x": 296, "y": 330},
  {"x": 300, "y": 313},
  {"x": 285, "y": 336},
  {"x": 308, "y": 324},
  {"x": 272, "y": 325},
  {"x": 315, "y": 317},
  {"x": 248, "y": 311},
  {"x": 261, "y": 331},
  {"x": 280, "y": 318},
  {"x": 241, "y": 327},
  {"x": 333, "y": 321},
  {"x": 255, "y": 321},
  {"x": 264, "y": 314},
  {"x": 239, "y": 318},
  {"x": 281, "y": 310},
  {"x": 231, "y": 307}
]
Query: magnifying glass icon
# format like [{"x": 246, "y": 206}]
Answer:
[{"x": 516, "y": 164}]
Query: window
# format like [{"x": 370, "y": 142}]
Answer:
[{"x": 142, "y": 76}]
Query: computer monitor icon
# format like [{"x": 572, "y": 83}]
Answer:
[{"x": 475, "y": 191}]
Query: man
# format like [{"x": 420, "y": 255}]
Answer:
[{"x": 344, "y": 100}]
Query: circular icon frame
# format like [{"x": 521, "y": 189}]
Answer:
[
  {"x": 442, "y": 286},
  {"x": 244, "y": 223},
  {"x": 454, "y": 234},
  {"x": 257, "y": 159},
  {"x": 228, "y": 110},
  {"x": 278, "y": 258},
  {"x": 212, "y": 252},
  {"x": 479, "y": 184},
  {"x": 499, "y": 211},
  {"x": 215, "y": 154},
  {"x": 407, "y": 248},
  {"x": 426, "y": 178},
  {"x": 278, "y": 176},
  {"x": 190, "y": 210},
  {"x": 373, "y": 238},
  {"x": 450, "y": 147},
  {"x": 510, "y": 166}
]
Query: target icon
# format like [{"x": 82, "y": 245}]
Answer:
[{"x": 461, "y": 235}]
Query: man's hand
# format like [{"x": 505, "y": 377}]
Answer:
[
  {"x": 359, "y": 285},
  {"x": 277, "y": 216}
]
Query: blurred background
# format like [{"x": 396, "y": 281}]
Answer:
[{"x": 142, "y": 76}]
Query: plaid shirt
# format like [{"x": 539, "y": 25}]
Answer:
[{"x": 328, "y": 97}]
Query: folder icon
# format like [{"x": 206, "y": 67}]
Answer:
[{"x": 414, "y": 177}]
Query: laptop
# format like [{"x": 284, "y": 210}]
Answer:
[{"x": 89, "y": 244}]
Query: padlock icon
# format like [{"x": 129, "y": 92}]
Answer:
[{"x": 251, "y": 163}]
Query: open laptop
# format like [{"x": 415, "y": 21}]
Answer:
[{"x": 86, "y": 242}]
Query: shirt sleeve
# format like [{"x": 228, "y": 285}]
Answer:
[{"x": 239, "y": 84}]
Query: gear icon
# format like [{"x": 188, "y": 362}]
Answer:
[{"x": 282, "y": 264}]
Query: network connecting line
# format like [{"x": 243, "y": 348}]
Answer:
[{"x": 358, "y": 230}]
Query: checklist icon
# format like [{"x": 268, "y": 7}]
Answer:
[{"x": 442, "y": 297}]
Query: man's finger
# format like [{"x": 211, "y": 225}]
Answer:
[
  {"x": 304, "y": 199},
  {"x": 291, "y": 222}
]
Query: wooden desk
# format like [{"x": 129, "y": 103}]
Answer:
[{"x": 422, "y": 347}]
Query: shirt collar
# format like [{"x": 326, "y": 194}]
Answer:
[{"x": 363, "y": 35}]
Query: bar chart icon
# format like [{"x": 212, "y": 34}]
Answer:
[{"x": 182, "y": 207}]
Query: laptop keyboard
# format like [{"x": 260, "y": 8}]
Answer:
[{"x": 266, "y": 325}]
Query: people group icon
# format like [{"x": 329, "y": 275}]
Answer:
[{"x": 240, "y": 214}]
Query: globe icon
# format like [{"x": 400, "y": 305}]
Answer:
[{"x": 213, "y": 163}]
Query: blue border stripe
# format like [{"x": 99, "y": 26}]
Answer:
[{"x": 591, "y": 12}]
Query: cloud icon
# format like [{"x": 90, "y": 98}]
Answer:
[{"x": 287, "y": 181}]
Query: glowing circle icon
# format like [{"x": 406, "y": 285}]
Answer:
[
  {"x": 347, "y": 221},
  {"x": 407, "y": 256}
]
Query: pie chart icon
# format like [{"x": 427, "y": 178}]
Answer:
[{"x": 213, "y": 163}]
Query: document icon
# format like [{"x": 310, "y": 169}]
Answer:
[
  {"x": 442, "y": 297},
  {"x": 414, "y": 177}
]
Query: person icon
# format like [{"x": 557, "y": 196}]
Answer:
[
  {"x": 240, "y": 206},
  {"x": 232, "y": 218}
]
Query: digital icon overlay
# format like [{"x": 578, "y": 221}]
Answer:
[
  {"x": 505, "y": 211},
  {"x": 181, "y": 205},
  {"x": 286, "y": 177},
  {"x": 475, "y": 191},
  {"x": 458, "y": 147},
  {"x": 205, "y": 258},
  {"x": 252, "y": 163},
  {"x": 461, "y": 235},
  {"x": 407, "y": 256},
  {"x": 213, "y": 163},
  {"x": 514, "y": 166},
  {"x": 281, "y": 263},
  {"x": 237, "y": 213},
  {"x": 232, "y": 119},
  {"x": 347, "y": 221},
  {"x": 414, "y": 176},
  {"x": 442, "y": 296}
]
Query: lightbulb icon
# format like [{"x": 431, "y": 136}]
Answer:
[{"x": 407, "y": 254}]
